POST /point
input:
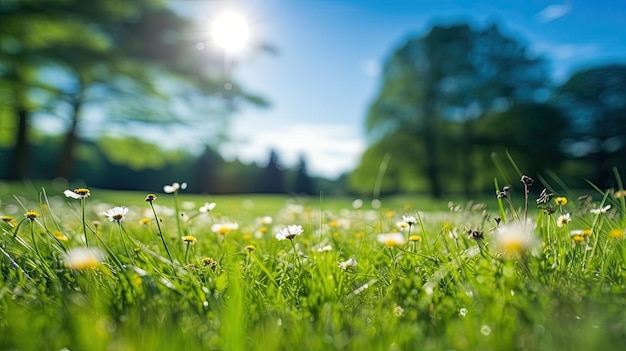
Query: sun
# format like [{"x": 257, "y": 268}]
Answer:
[{"x": 230, "y": 31}]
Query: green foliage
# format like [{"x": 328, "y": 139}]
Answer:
[{"x": 458, "y": 284}]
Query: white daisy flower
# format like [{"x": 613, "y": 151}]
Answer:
[
  {"x": 289, "y": 232},
  {"x": 116, "y": 213}
]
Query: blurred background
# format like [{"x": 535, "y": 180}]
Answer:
[{"x": 345, "y": 96}]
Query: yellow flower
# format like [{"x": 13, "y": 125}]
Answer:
[
  {"x": 144, "y": 221},
  {"x": 9, "y": 220},
  {"x": 189, "y": 239},
  {"x": 60, "y": 236},
  {"x": 83, "y": 258},
  {"x": 391, "y": 239},
  {"x": 578, "y": 238},
  {"x": 415, "y": 238},
  {"x": 223, "y": 228},
  {"x": 247, "y": 236},
  {"x": 31, "y": 215},
  {"x": 250, "y": 248},
  {"x": 209, "y": 262},
  {"x": 515, "y": 237},
  {"x": 561, "y": 201},
  {"x": 150, "y": 197},
  {"x": 617, "y": 233}
]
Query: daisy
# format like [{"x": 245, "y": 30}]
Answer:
[
  {"x": 602, "y": 210},
  {"x": 83, "y": 258},
  {"x": 563, "y": 220},
  {"x": 116, "y": 213},
  {"x": 168, "y": 189},
  {"x": 207, "y": 207},
  {"x": 224, "y": 228},
  {"x": 289, "y": 232},
  {"x": 513, "y": 238},
  {"x": 349, "y": 264},
  {"x": 391, "y": 239},
  {"x": 78, "y": 194}
]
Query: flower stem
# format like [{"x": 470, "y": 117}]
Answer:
[{"x": 156, "y": 219}]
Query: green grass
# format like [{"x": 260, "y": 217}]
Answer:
[{"x": 245, "y": 290}]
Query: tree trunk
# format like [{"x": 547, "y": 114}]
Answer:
[
  {"x": 21, "y": 152},
  {"x": 68, "y": 157}
]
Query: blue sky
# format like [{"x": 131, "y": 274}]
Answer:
[{"x": 326, "y": 70}]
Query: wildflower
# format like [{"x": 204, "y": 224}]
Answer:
[
  {"x": 78, "y": 194},
  {"x": 9, "y": 220},
  {"x": 485, "y": 330},
  {"x": 266, "y": 220},
  {"x": 189, "y": 239},
  {"x": 60, "y": 236},
  {"x": 289, "y": 232},
  {"x": 247, "y": 236},
  {"x": 617, "y": 233},
  {"x": 402, "y": 225},
  {"x": 527, "y": 181},
  {"x": 601, "y": 210},
  {"x": 577, "y": 237},
  {"x": 207, "y": 207},
  {"x": 116, "y": 213},
  {"x": 356, "y": 204},
  {"x": 144, "y": 221},
  {"x": 391, "y": 239},
  {"x": 325, "y": 248},
  {"x": 224, "y": 228},
  {"x": 168, "y": 189},
  {"x": 415, "y": 238},
  {"x": 513, "y": 238},
  {"x": 561, "y": 201},
  {"x": 349, "y": 264},
  {"x": 209, "y": 262},
  {"x": 150, "y": 197},
  {"x": 563, "y": 220},
  {"x": 398, "y": 311},
  {"x": 250, "y": 248},
  {"x": 83, "y": 258},
  {"x": 31, "y": 215},
  {"x": 410, "y": 220},
  {"x": 463, "y": 312},
  {"x": 96, "y": 223}
]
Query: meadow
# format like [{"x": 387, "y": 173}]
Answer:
[{"x": 525, "y": 269}]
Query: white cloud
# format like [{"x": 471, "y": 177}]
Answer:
[
  {"x": 553, "y": 12},
  {"x": 329, "y": 149}
]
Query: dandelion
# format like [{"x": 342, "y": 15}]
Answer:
[
  {"x": 116, "y": 213},
  {"x": 513, "y": 238},
  {"x": 224, "y": 228},
  {"x": 391, "y": 239},
  {"x": 168, "y": 189},
  {"x": 32, "y": 215},
  {"x": 415, "y": 238},
  {"x": 144, "y": 221},
  {"x": 207, "y": 207},
  {"x": 209, "y": 262},
  {"x": 9, "y": 220},
  {"x": 602, "y": 210},
  {"x": 150, "y": 197},
  {"x": 250, "y": 248},
  {"x": 349, "y": 264},
  {"x": 289, "y": 232},
  {"x": 189, "y": 239},
  {"x": 561, "y": 201},
  {"x": 563, "y": 220},
  {"x": 617, "y": 233},
  {"x": 83, "y": 258},
  {"x": 60, "y": 236},
  {"x": 577, "y": 237},
  {"x": 78, "y": 194}
]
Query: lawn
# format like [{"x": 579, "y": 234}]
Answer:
[{"x": 126, "y": 271}]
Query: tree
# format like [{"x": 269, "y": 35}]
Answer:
[
  {"x": 435, "y": 87},
  {"x": 303, "y": 182},
  {"x": 594, "y": 100},
  {"x": 109, "y": 54},
  {"x": 273, "y": 176}
]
